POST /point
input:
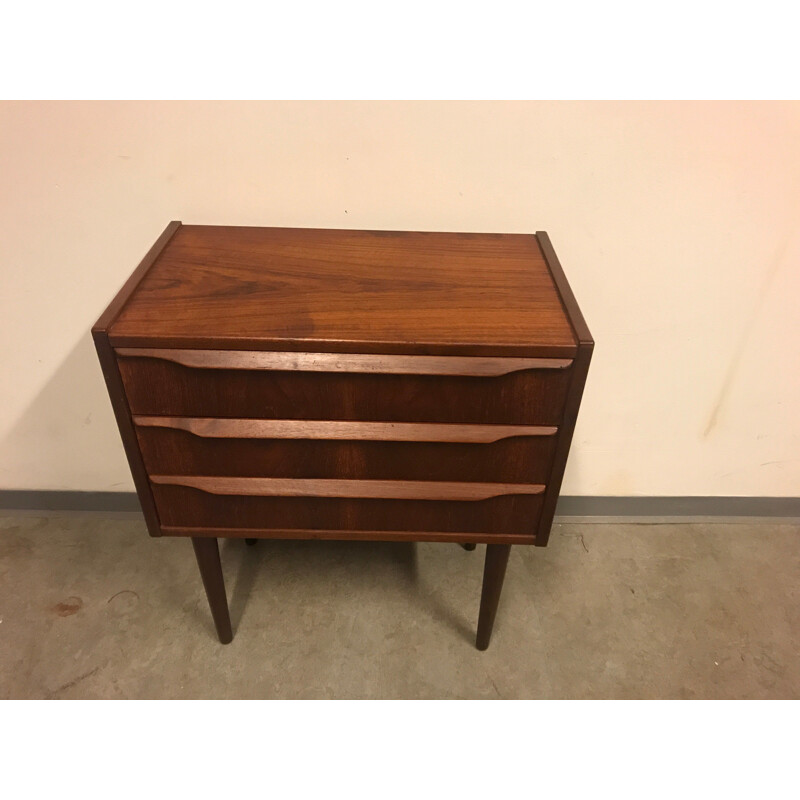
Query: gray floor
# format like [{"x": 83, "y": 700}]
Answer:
[{"x": 93, "y": 608}]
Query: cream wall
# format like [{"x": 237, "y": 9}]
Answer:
[{"x": 677, "y": 224}]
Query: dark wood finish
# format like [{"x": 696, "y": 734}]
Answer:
[
  {"x": 187, "y": 507},
  {"x": 518, "y": 459},
  {"x": 348, "y": 291},
  {"x": 572, "y": 404},
  {"x": 362, "y": 385},
  {"x": 344, "y": 362},
  {"x": 563, "y": 441},
  {"x": 164, "y": 388},
  {"x": 494, "y": 572},
  {"x": 347, "y": 535},
  {"x": 570, "y": 304},
  {"x": 210, "y": 427},
  {"x": 113, "y": 379},
  {"x": 109, "y": 316},
  {"x": 206, "y": 551},
  {"x": 383, "y": 490},
  {"x": 122, "y": 413}
]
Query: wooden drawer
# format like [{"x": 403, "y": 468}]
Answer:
[
  {"x": 256, "y": 384},
  {"x": 185, "y": 501},
  {"x": 355, "y": 450}
]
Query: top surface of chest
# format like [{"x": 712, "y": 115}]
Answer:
[{"x": 348, "y": 291}]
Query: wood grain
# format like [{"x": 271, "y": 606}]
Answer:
[
  {"x": 122, "y": 413},
  {"x": 336, "y": 362},
  {"x": 574, "y": 314},
  {"x": 113, "y": 309},
  {"x": 158, "y": 388},
  {"x": 114, "y": 384},
  {"x": 212, "y": 427},
  {"x": 206, "y": 551},
  {"x": 578, "y": 373},
  {"x": 318, "y": 290},
  {"x": 184, "y": 506},
  {"x": 389, "y": 490},
  {"x": 494, "y": 572},
  {"x": 330, "y": 384},
  {"x": 518, "y": 459}
]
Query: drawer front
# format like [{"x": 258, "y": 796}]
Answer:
[
  {"x": 281, "y": 449},
  {"x": 406, "y": 389},
  {"x": 188, "y": 507}
]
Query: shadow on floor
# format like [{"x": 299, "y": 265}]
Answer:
[{"x": 393, "y": 561}]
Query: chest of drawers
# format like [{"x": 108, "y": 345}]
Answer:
[{"x": 333, "y": 384}]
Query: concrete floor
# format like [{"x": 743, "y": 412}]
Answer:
[{"x": 91, "y": 607}]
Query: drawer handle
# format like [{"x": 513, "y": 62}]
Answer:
[
  {"x": 385, "y": 490},
  {"x": 220, "y": 428},
  {"x": 343, "y": 362}
]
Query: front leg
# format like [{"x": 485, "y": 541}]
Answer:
[
  {"x": 494, "y": 571},
  {"x": 206, "y": 551}
]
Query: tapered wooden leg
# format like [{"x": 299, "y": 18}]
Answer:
[
  {"x": 494, "y": 571},
  {"x": 206, "y": 551},
  {"x": 468, "y": 545}
]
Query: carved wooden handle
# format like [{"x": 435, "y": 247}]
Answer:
[
  {"x": 220, "y": 428},
  {"x": 344, "y": 362},
  {"x": 385, "y": 490}
]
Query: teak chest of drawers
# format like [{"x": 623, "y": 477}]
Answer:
[{"x": 334, "y": 384}]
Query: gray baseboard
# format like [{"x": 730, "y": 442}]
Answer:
[
  {"x": 574, "y": 506},
  {"x": 32, "y": 500},
  {"x": 569, "y": 507}
]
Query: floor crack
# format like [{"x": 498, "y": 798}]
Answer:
[{"x": 75, "y": 682}]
